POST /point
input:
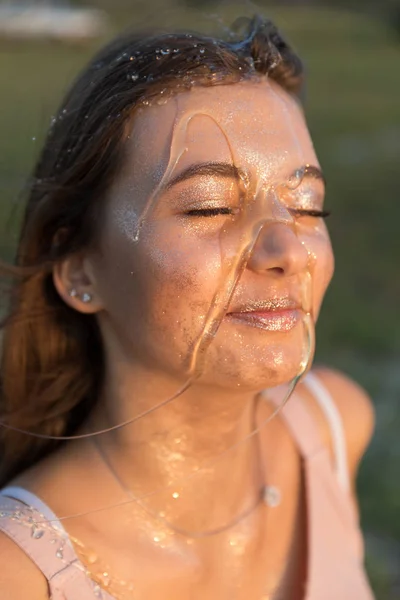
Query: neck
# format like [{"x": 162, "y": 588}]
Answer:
[{"x": 180, "y": 457}]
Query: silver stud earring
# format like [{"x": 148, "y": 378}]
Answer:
[
  {"x": 86, "y": 297},
  {"x": 73, "y": 293}
]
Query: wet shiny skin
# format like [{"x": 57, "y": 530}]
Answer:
[
  {"x": 151, "y": 297},
  {"x": 157, "y": 292}
]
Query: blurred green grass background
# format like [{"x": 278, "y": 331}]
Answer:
[{"x": 353, "y": 109}]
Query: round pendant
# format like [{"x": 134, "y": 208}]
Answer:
[{"x": 272, "y": 496}]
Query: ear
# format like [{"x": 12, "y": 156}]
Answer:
[{"x": 74, "y": 280}]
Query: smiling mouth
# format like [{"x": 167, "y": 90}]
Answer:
[{"x": 281, "y": 314}]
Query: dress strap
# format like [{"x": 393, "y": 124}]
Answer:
[
  {"x": 332, "y": 415},
  {"x": 301, "y": 424},
  {"x": 25, "y": 496},
  {"x": 46, "y": 543},
  {"x": 334, "y": 542}
]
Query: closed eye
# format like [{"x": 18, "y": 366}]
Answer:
[
  {"x": 302, "y": 212},
  {"x": 225, "y": 210},
  {"x": 210, "y": 212}
]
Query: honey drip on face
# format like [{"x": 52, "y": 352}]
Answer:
[{"x": 259, "y": 209}]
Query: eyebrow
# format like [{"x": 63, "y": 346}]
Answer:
[
  {"x": 230, "y": 171},
  {"x": 222, "y": 169}
]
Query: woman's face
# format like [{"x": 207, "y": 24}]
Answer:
[{"x": 208, "y": 175}]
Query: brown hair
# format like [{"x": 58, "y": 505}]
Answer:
[{"x": 52, "y": 359}]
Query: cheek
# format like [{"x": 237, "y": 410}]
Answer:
[
  {"x": 322, "y": 264},
  {"x": 157, "y": 292},
  {"x": 178, "y": 275}
]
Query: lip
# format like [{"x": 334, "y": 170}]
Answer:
[
  {"x": 277, "y": 314},
  {"x": 275, "y": 303}
]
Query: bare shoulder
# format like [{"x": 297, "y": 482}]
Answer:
[
  {"x": 19, "y": 577},
  {"x": 356, "y": 410}
]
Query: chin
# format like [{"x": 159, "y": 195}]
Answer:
[{"x": 254, "y": 371}]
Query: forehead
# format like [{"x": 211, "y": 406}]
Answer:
[{"x": 255, "y": 125}]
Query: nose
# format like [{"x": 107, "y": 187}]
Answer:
[{"x": 279, "y": 251}]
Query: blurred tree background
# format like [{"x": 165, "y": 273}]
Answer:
[{"x": 352, "y": 54}]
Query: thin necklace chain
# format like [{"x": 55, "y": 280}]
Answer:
[
  {"x": 178, "y": 530},
  {"x": 271, "y": 495},
  {"x": 236, "y": 445}
]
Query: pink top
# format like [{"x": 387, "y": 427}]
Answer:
[{"x": 335, "y": 548}]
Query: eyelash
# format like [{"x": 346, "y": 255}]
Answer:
[
  {"x": 214, "y": 212},
  {"x": 209, "y": 212},
  {"x": 322, "y": 214}
]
